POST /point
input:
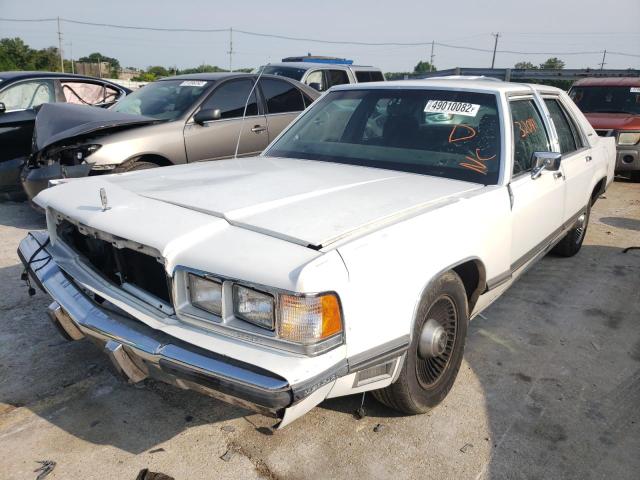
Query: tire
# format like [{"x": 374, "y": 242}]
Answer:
[
  {"x": 572, "y": 241},
  {"x": 418, "y": 388},
  {"x": 134, "y": 166}
]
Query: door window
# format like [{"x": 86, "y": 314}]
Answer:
[
  {"x": 364, "y": 76},
  {"x": 567, "y": 132},
  {"x": 231, "y": 97},
  {"x": 529, "y": 134},
  {"x": 281, "y": 96},
  {"x": 337, "y": 77},
  {"x": 84, "y": 93},
  {"x": 316, "y": 80},
  {"x": 26, "y": 95}
]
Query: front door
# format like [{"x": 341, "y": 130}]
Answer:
[
  {"x": 218, "y": 139},
  {"x": 538, "y": 203}
]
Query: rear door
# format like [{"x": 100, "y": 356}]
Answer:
[
  {"x": 576, "y": 158},
  {"x": 16, "y": 125},
  {"x": 217, "y": 139},
  {"x": 538, "y": 203},
  {"x": 283, "y": 102}
]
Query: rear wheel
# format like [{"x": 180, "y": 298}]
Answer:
[
  {"x": 572, "y": 241},
  {"x": 435, "y": 353},
  {"x": 134, "y": 166}
]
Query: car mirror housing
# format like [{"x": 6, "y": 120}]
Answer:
[
  {"x": 545, "y": 161},
  {"x": 207, "y": 115}
]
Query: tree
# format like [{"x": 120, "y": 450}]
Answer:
[
  {"x": 525, "y": 65},
  {"x": 158, "y": 71},
  {"x": 97, "y": 57},
  {"x": 553, "y": 63},
  {"x": 424, "y": 67}
]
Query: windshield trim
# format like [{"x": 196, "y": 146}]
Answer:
[{"x": 501, "y": 105}]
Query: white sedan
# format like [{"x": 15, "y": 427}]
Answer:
[{"x": 348, "y": 257}]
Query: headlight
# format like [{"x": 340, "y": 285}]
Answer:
[
  {"x": 628, "y": 138},
  {"x": 309, "y": 319},
  {"x": 205, "y": 294},
  {"x": 254, "y": 306}
]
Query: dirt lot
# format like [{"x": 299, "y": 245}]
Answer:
[{"x": 550, "y": 388}]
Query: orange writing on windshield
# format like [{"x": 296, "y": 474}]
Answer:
[
  {"x": 465, "y": 133},
  {"x": 527, "y": 127},
  {"x": 477, "y": 163}
]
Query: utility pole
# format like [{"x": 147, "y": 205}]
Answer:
[
  {"x": 495, "y": 47},
  {"x": 431, "y": 57},
  {"x": 604, "y": 56},
  {"x": 60, "y": 47},
  {"x": 230, "y": 52},
  {"x": 73, "y": 68}
]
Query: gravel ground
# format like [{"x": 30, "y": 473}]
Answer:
[{"x": 549, "y": 388}]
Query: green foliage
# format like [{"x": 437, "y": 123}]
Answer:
[
  {"x": 552, "y": 63},
  {"x": 203, "y": 69},
  {"x": 97, "y": 57},
  {"x": 17, "y": 55},
  {"x": 525, "y": 65},
  {"x": 424, "y": 67}
]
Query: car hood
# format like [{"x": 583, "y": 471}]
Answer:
[
  {"x": 310, "y": 203},
  {"x": 613, "y": 121},
  {"x": 60, "y": 121}
]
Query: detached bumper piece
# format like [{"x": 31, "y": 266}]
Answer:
[{"x": 138, "y": 351}]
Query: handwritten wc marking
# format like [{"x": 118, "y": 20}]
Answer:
[
  {"x": 477, "y": 163},
  {"x": 469, "y": 134}
]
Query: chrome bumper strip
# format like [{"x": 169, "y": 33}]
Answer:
[{"x": 153, "y": 352}]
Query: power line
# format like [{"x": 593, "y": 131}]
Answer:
[{"x": 318, "y": 40}]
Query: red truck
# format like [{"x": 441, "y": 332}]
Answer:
[{"x": 612, "y": 106}]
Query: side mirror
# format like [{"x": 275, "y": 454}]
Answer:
[
  {"x": 316, "y": 86},
  {"x": 3, "y": 108},
  {"x": 545, "y": 161},
  {"x": 207, "y": 115}
]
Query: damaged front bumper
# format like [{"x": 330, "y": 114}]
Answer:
[
  {"x": 36, "y": 179},
  {"x": 139, "y": 351}
]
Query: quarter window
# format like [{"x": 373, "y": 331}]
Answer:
[
  {"x": 231, "y": 97},
  {"x": 529, "y": 134},
  {"x": 281, "y": 96},
  {"x": 88, "y": 93},
  {"x": 337, "y": 77},
  {"x": 27, "y": 95},
  {"x": 567, "y": 132},
  {"x": 364, "y": 76}
]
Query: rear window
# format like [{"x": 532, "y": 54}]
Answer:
[{"x": 364, "y": 76}]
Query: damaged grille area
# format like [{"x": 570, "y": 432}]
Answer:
[{"x": 134, "y": 270}]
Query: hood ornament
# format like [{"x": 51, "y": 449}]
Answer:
[{"x": 103, "y": 200}]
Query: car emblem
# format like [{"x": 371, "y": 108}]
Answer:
[{"x": 103, "y": 199}]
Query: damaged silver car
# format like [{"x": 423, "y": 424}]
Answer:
[{"x": 182, "y": 119}]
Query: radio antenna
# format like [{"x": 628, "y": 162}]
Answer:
[{"x": 244, "y": 113}]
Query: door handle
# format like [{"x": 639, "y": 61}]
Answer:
[
  {"x": 588, "y": 158},
  {"x": 258, "y": 128}
]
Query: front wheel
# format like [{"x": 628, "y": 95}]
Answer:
[{"x": 435, "y": 353}]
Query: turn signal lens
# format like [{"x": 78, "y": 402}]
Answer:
[
  {"x": 309, "y": 319},
  {"x": 628, "y": 138}
]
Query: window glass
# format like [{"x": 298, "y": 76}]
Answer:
[
  {"x": 316, "y": 80},
  {"x": 26, "y": 95},
  {"x": 281, "y": 96},
  {"x": 432, "y": 132},
  {"x": 377, "y": 77},
  {"x": 290, "y": 72},
  {"x": 563, "y": 127},
  {"x": 363, "y": 76},
  {"x": 529, "y": 134},
  {"x": 231, "y": 97},
  {"x": 88, "y": 93},
  {"x": 337, "y": 77},
  {"x": 607, "y": 99},
  {"x": 164, "y": 100}
]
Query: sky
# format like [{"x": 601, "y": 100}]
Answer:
[{"x": 553, "y": 26}]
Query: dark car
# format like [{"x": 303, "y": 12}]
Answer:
[
  {"x": 20, "y": 94},
  {"x": 181, "y": 119}
]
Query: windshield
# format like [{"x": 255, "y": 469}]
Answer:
[
  {"x": 289, "y": 72},
  {"x": 164, "y": 100},
  {"x": 433, "y": 132},
  {"x": 607, "y": 99}
]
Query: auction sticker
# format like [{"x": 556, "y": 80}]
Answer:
[
  {"x": 455, "y": 108},
  {"x": 635, "y": 89},
  {"x": 193, "y": 83}
]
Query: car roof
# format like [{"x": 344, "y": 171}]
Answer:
[
  {"x": 324, "y": 65},
  {"x": 22, "y": 75},
  {"x": 608, "y": 82},
  {"x": 214, "y": 76},
  {"x": 476, "y": 84}
]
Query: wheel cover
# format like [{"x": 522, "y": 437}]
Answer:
[
  {"x": 581, "y": 227},
  {"x": 430, "y": 370}
]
